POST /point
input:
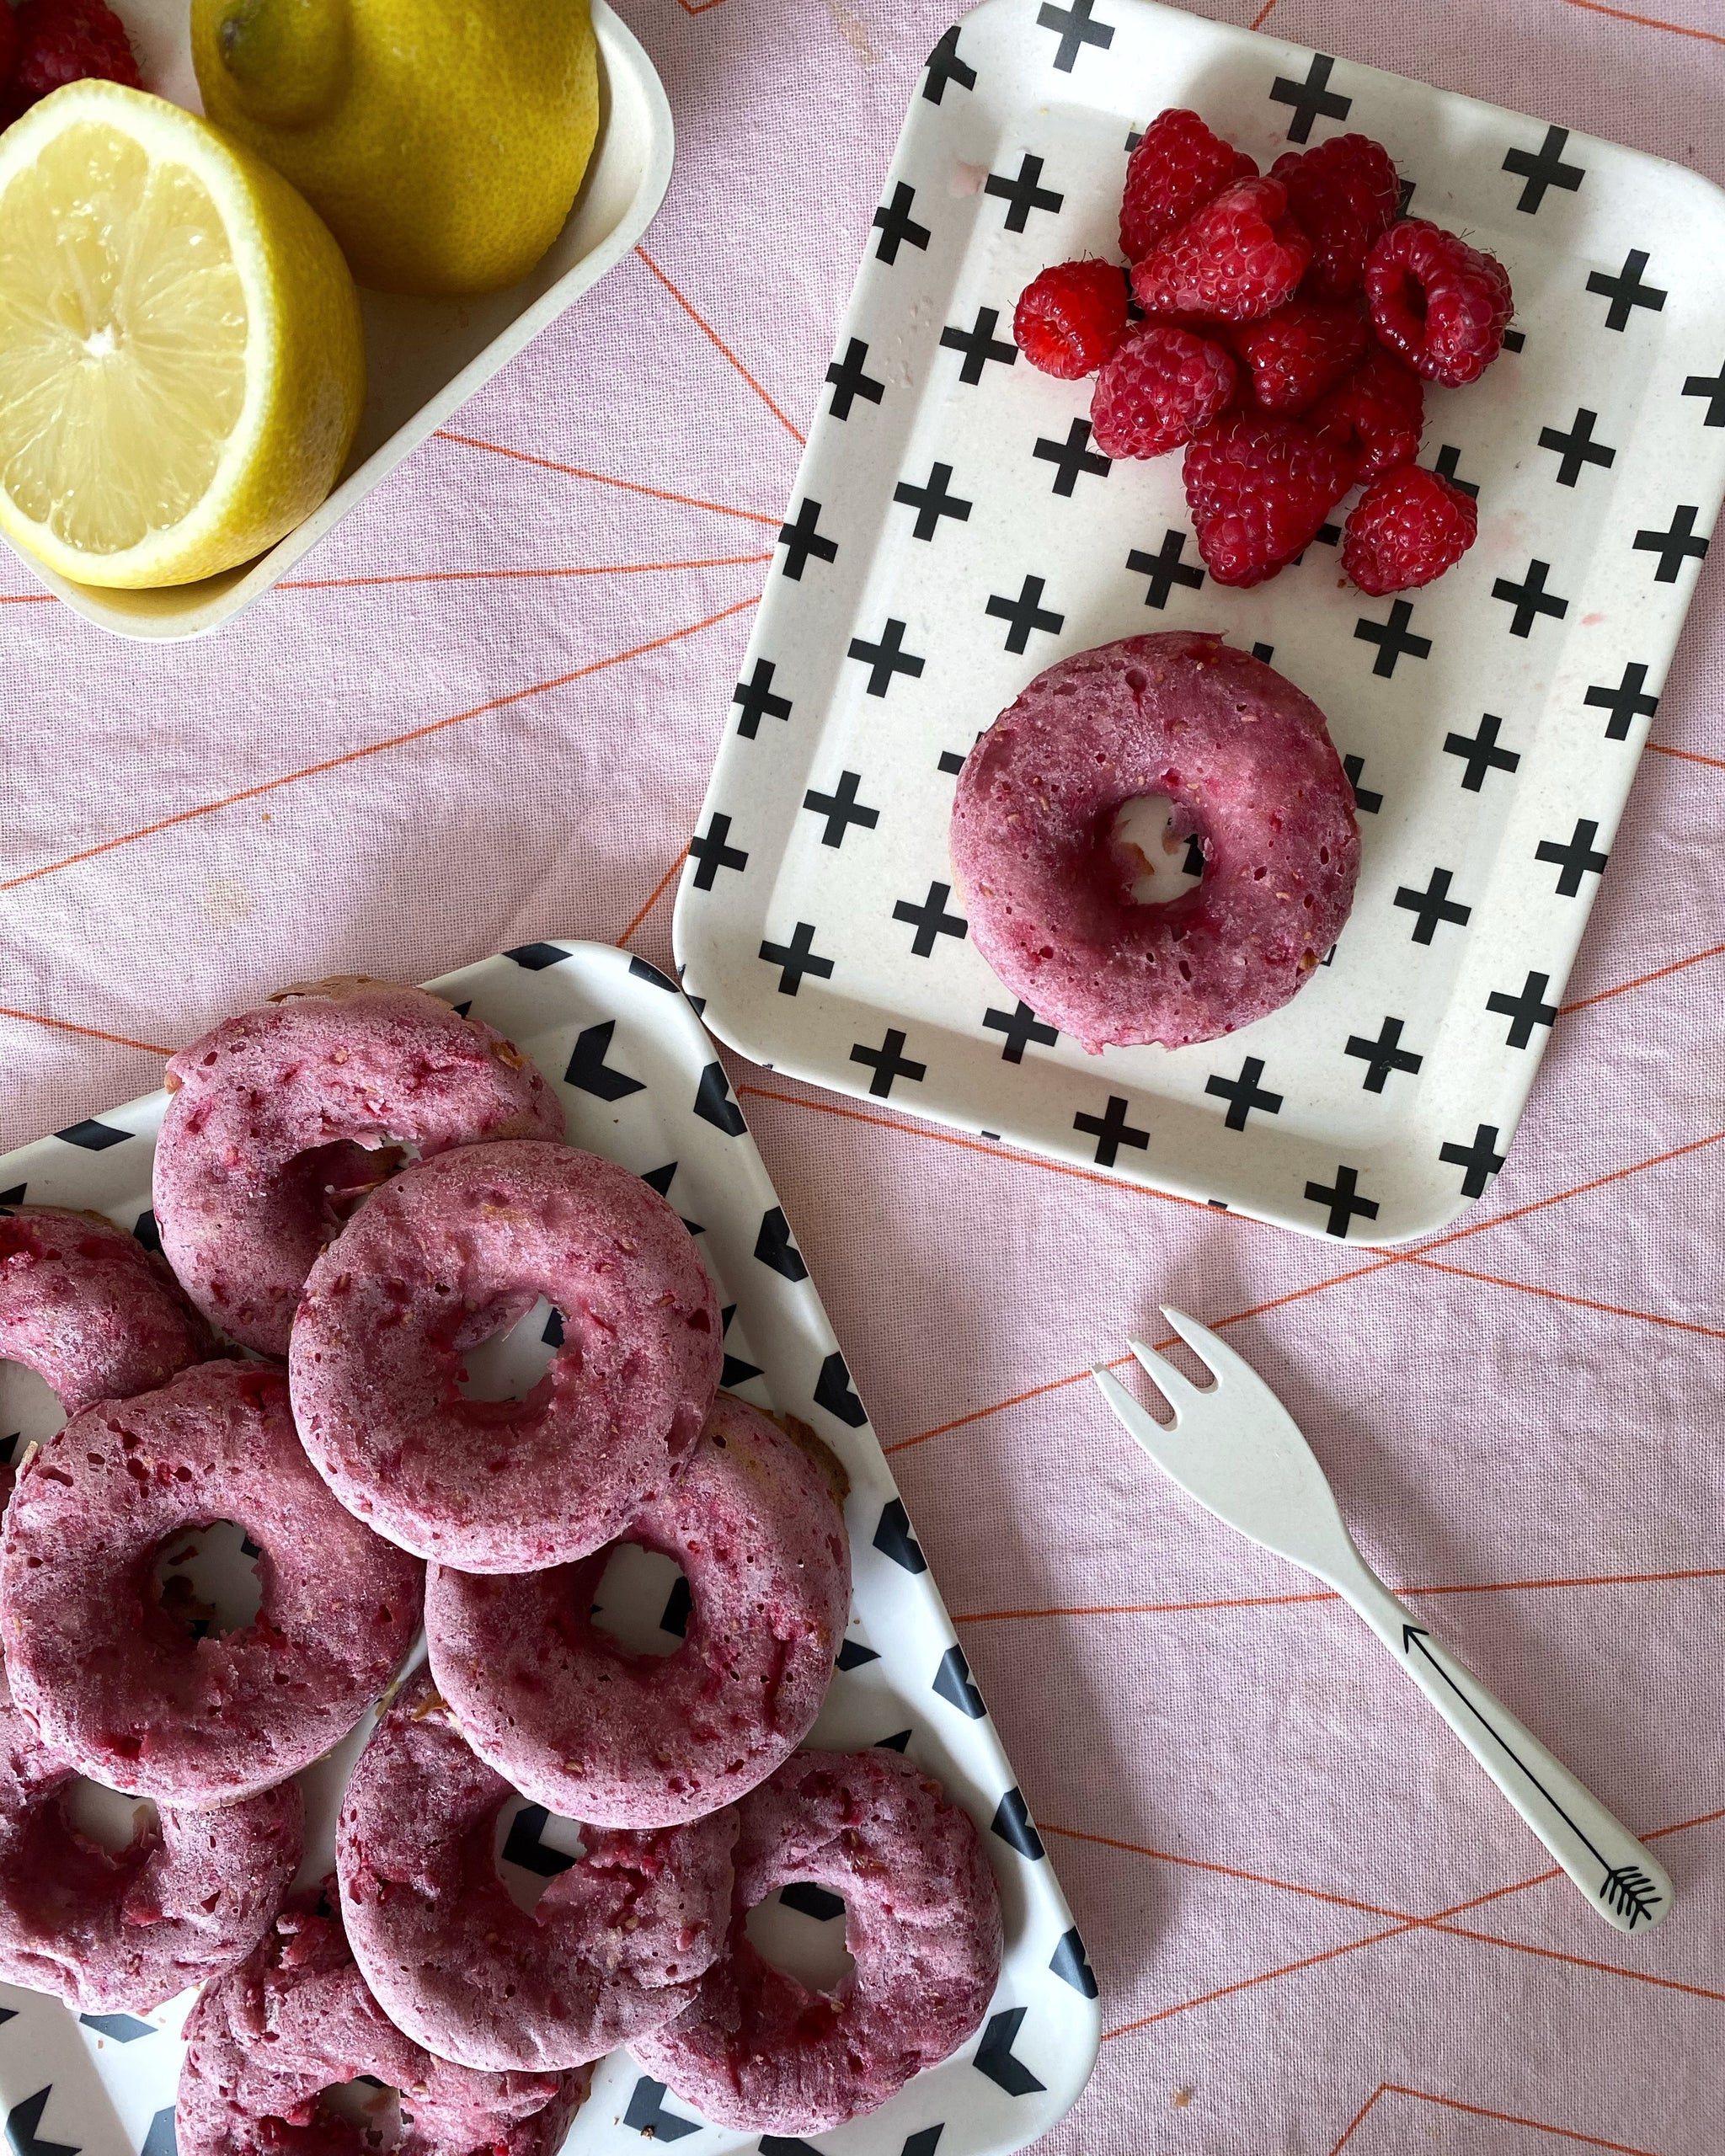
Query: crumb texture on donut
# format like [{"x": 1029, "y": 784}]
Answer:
[
  {"x": 1247, "y": 762},
  {"x": 759, "y": 2053},
  {"x": 580, "y": 1724},
  {"x": 282, "y": 1120}
]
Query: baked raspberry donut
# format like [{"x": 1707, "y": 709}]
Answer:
[
  {"x": 759, "y": 2053},
  {"x": 265, "y": 2042},
  {"x": 1247, "y": 763},
  {"x": 189, "y": 1897},
  {"x": 281, "y": 1118},
  {"x": 579, "y": 1723},
  {"x": 453, "y": 1250},
  {"x": 109, "y": 1679},
  {"x": 89, "y": 1310},
  {"x": 614, "y": 1947}
]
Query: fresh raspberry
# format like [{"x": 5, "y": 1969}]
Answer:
[
  {"x": 1070, "y": 318},
  {"x": 1241, "y": 257},
  {"x": 1345, "y": 193},
  {"x": 1407, "y": 529},
  {"x": 1442, "y": 305},
  {"x": 1163, "y": 386},
  {"x": 1301, "y": 351},
  {"x": 1375, "y": 415},
  {"x": 61, "y": 41},
  {"x": 1177, "y": 166},
  {"x": 1258, "y": 489}
]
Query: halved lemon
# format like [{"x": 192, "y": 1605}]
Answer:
[{"x": 182, "y": 367}]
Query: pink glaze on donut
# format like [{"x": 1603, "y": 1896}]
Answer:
[
  {"x": 109, "y": 1679},
  {"x": 579, "y": 1723},
  {"x": 758, "y": 2052},
  {"x": 89, "y": 1310},
  {"x": 1246, "y": 762},
  {"x": 295, "y": 2019},
  {"x": 614, "y": 1947},
  {"x": 189, "y": 1897},
  {"x": 447, "y": 1254},
  {"x": 278, "y": 1123}
]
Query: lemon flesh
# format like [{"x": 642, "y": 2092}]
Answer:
[
  {"x": 443, "y": 141},
  {"x": 181, "y": 362}
]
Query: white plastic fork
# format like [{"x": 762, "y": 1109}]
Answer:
[{"x": 1234, "y": 1448}]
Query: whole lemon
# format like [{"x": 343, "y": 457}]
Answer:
[{"x": 442, "y": 142}]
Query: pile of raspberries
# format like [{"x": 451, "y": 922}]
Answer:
[
  {"x": 46, "y": 44},
  {"x": 1285, "y": 327}
]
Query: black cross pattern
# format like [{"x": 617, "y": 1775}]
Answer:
[
  {"x": 849, "y": 382},
  {"x": 944, "y": 67},
  {"x": 1627, "y": 703},
  {"x": 1111, "y": 1132},
  {"x": 1364, "y": 800},
  {"x": 646, "y": 2115},
  {"x": 1625, "y": 290},
  {"x": 1311, "y": 100},
  {"x": 1578, "y": 447},
  {"x": 896, "y": 226},
  {"x": 842, "y": 808},
  {"x": 756, "y": 699},
  {"x": 932, "y": 502},
  {"x": 890, "y": 1064},
  {"x": 1342, "y": 1202},
  {"x": 1026, "y": 613},
  {"x": 1074, "y": 456},
  {"x": 1243, "y": 1094},
  {"x": 1529, "y": 599},
  {"x": 1025, "y": 194},
  {"x": 1164, "y": 569},
  {"x": 1433, "y": 905},
  {"x": 1076, "y": 30},
  {"x": 589, "y": 1071},
  {"x": 980, "y": 345},
  {"x": 1675, "y": 547},
  {"x": 1393, "y": 638},
  {"x": 711, "y": 852},
  {"x": 1580, "y": 857},
  {"x": 1482, "y": 754},
  {"x": 995, "y": 2057},
  {"x": 1383, "y": 1055},
  {"x": 1447, "y": 464},
  {"x": 887, "y": 658},
  {"x": 1021, "y": 1027},
  {"x": 1542, "y": 168},
  {"x": 930, "y": 920},
  {"x": 1480, "y": 1160},
  {"x": 1525, "y": 1011},
  {"x": 803, "y": 538},
  {"x": 1712, "y": 387},
  {"x": 796, "y": 957}
]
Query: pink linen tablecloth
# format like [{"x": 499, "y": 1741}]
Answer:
[{"x": 483, "y": 712}]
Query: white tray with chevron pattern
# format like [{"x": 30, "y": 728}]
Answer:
[
  {"x": 640, "y": 1083},
  {"x": 954, "y": 531}
]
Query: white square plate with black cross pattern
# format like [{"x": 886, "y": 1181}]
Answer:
[
  {"x": 953, "y": 532},
  {"x": 640, "y": 1084}
]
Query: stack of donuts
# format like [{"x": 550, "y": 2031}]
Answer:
[{"x": 354, "y": 1187}]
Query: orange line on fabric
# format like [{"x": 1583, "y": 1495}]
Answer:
[
  {"x": 376, "y": 748},
  {"x": 1264, "y": 1976},
  {"x": 1647, "y": 23},
  {"x": 1262, "y": 15},
  {"x": 477, "y": 576},
  {"x": 607, "y": 478},
  {"x": 1479, "y": 2111},
  {"x": 658, "y": 891},
  {"x": 707, "y": 330},
  {"x": 1557, "y": 1295},
  {"x": 27, "y": 598},
  {"x": 90, "y": 1032},
  {"x": 1579, "y": 1961},
  {"x": 1227, "y": 1871},
  {"x": 1688, "y": 755},
  {"x": 1641, "y": 980}
]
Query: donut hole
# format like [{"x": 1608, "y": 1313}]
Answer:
[
  {"x": 508, "y": 1352},
  {"x": 207, "y": 1579},
  {"x": 334, "y": 1181},
  {"x": 105, "y": 1818},
  {"x": 30, "y": 1412},
  {"x": 368, "y": 2105},
  {"x": 642, "y": 1600},
  {"x": 800, "y": 1932},
  {"x": 1166, "y": 840},
  {"x": 530, "y": 1847}
]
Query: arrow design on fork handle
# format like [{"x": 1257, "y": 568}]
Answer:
[{"x": 1625, "y": 1887}]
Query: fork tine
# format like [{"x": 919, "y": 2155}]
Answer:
[
  {"x": 1180, "y": 1393},
  {"x": 1138, "y": 1420},
  {"x": 1218, "y": 1357}
]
